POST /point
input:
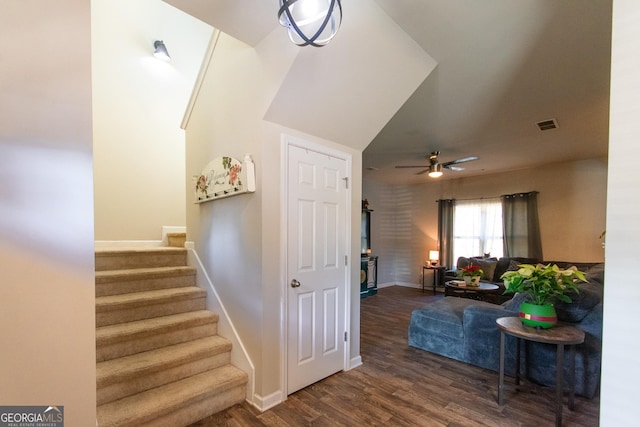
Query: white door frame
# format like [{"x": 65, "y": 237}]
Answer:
[{"x": 285, "y": 142}]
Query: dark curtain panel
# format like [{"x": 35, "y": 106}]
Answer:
[
  {"x": 445, "y": 231},
  {"x": 521, "y": 227}
]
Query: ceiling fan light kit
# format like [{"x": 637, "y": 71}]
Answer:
[
  {"x": 435, "y": 168},
  {"x": 435, "y": 171}
]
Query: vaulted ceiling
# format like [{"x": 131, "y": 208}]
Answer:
[{"x": 501, "y": 67}]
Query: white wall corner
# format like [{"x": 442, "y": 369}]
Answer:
[{"x": 264, "y": 403}]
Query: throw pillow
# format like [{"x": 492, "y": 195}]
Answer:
[
  {"x": 514, "y": 265},
  {"x": 488, "y": 267},
  {"x": 462, "y": 263}
]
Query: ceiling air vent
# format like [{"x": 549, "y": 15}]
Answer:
[{"x": 547, "y": 124}]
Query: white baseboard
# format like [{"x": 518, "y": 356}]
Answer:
[
  {"x": 268, "y": 402},
  {"x": 355, "y": 362},
  {"x": 405, "y": 284},
  {"x": 101, "y": 244},
  {"x": 166, "y": 229}
]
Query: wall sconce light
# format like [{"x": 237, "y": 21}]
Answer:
[
  {"x": 310, "y": 22},
  {"x": 434, "y": 257},
  {"x": 435, "y": 170},
  {"x": 160, "y": 51}
]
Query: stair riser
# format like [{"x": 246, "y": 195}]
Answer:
[
  {"x": 129, "y": 286},
  {"x": 176, "y": 240},
  {"x": 175, "y": 404},
  {"x": 159, "y": 359},
  {"x": 199, "y": 410},
  {"x": 133, "y": 313},
  {"x": 155, "y": 340},
  {"x": 139, "y": 384},
  {"x": 111, "y": 261}
]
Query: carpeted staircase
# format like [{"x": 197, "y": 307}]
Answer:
[{"x": 159, "y": 360}]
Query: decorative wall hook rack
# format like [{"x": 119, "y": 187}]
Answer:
[{"x": 224, "y": 177}]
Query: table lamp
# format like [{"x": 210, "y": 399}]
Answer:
[{"x": 434, "y": 257}]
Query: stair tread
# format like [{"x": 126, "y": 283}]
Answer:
[
  {"x": 140, "y": 250},
  {"x": 140, "y": 364},
  {"x": 131, "y": 330},
  {"x": 156, "y": 402},
  {"x": 109, "y": 302},
  {"x": 106, "y": 276}
]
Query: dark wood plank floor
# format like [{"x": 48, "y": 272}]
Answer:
[{"x": 402, "y": 386}]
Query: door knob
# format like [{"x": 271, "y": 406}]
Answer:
[{"x": 295, "y": 283}]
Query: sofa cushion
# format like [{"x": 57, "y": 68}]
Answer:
[
  {"x": 514, "y": 303},
  {"x": 443, "y": 318},
  {"x": 437, "y": 327},
  {"x": 582, "y": 303},
  {"x": 595, "y": 274}
]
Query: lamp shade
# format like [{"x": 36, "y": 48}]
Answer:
[
  {"x": 434, "y": 255},
  {"x": 310, "y": 22}
]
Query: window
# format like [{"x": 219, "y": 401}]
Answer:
[{"x": 477, "y": 228}]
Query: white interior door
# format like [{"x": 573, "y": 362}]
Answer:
[{"x": 316, "y": 270}]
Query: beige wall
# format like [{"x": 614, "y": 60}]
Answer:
[
  {"x": 228, "y": 232},
  {"x": 620, "y": 378},
  {"x": 238, "y": 239},
  {"x": 571, "y": 208},
  {"x": 138, "y": 105},
  {"x": 47, "y": 319},
  {"x": 250, "y": 97}
]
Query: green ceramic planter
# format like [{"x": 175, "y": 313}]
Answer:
[{"x": 538, "y": 316}]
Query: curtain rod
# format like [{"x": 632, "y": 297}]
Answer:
[{"x": 494, "y": 197}]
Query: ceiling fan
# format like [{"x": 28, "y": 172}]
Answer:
[{"x": 435, "y": 167}]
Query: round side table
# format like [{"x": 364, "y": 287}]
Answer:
[{"x": 561, "y": 335}]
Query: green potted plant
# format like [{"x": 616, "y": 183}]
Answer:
[
  {"x": 471, "y": 274},
  {"x": 544, "y": 284}
]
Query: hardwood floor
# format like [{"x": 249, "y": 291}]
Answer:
[{"x": 402, "y": 386}]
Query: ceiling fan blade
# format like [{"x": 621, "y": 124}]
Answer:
[
  {"x": 401, "y": 167},
  {"x": 453, "y": 168},
  {"x": 463, "y": 160}
]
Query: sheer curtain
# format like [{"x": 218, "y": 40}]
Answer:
[
  {"x": 477, "y": 228},
  {"x": 521, "y": 226},
  {"x": 446, "y": 208}
]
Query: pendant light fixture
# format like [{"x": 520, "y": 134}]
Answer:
[{"x": 310, "y": 22}]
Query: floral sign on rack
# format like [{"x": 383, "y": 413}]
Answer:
[{"x": 223, "y": 177}]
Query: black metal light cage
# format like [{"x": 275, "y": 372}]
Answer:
[{"x": 308, "y": 41}]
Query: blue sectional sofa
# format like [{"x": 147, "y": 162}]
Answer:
[{"x": 465, "y": 330}]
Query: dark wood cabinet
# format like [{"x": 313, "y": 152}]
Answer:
[{"x": 368, "y": 276}]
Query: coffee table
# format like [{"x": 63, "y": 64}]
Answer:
[{"x": 484, "y": 291}]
